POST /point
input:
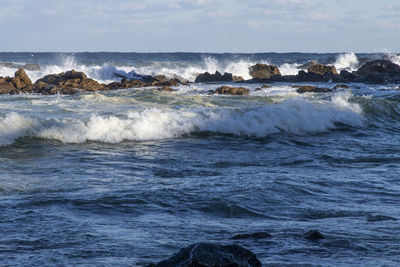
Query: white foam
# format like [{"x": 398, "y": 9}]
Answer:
[
  {"x": 348, "y": 61},
  {"x": 289, "y": 69},
  {"x": 295, "y": 115}
]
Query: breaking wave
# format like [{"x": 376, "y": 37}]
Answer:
[{"x": 295, "y": 116}]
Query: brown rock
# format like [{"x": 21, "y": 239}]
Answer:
[
  {"x": 314, "y": 89},
  {"x": 263, "y": 71},
  {"x": 161, "y": 78},
  {"x": 237, "y": 78},
  {"x": 20, "y": 79},
  {"x": 338, "y": 86},
  {"x": 322, "y": 69},
  {"x": 166, "y": 89},
  {"x": 227, "y": 90},
  {"x": 266, "y": 86}
]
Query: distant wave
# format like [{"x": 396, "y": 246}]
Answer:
[{"x": 295, "y": 116}]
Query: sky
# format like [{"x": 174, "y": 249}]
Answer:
[{"x": 200, "y": 25}]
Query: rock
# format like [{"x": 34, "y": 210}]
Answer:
[
  {"x": 6, "y": 86},
  {"x": 212, "y": 255},
  {"x": 346, "y": 75},
  {"x": 217, "y": 77},
  {"x": 256, "y": 235},
  {"x": 258, "y": 89},
  {"x": 161, "y": 78},
  {"x": 379, "y": 218},
  {"x": 338, "y": 86},
  {"x": 166, "y": 89},
  {"x": 65, "y": 83},
  {"x": 313, "y": 235},
  {"x": 20, "y": 79},
  {"x": 314, "y": 89},
  {"x": 227, "y": 90},
  {"x": 379, "y": 66},
  {"x": 263, "y": 71},
  {"x": 237, "y": 78},
  {"x": 31, "y": 66},
  {"x": 322, "y": 69},
  {"x": 125, "y": 84},
  {"x": 266, "y": 86},
  {"x": 307, "y": 65},
  {"x": 181, "y": 80}
]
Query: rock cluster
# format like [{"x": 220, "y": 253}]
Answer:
[
  {"x": 71, "y": 82},
  {"x": 216, "y": 77}
]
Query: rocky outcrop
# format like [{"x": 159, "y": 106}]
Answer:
[
  {"x": 263, "y": 71},
  {"x": 322, "y": 69},
  {"x": 339, "y": 86},
  {"x": 311, "y": 89},
  {"x": 216, "y": 77},
  {"x": 212, "y": 255},
  {"x": 68, "y": 82},
  {"x": 166, "y": 89},
  {"x": 227, "y": 90},
  {"x": 12, "y": 85}
]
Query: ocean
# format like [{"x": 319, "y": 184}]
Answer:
[{"x": 128, "y": 177}]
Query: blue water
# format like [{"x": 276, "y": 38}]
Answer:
[{"x": 129, "y": 177}]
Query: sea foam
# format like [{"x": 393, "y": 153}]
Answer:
[{"x": 294, "y": 116}]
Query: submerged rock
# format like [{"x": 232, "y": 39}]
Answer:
[
  {"x": 256, "y": 235},
  {"x": 212, "y": 255},
  {"x": 313, "y": 235},
  {"x": 322, "y": 69},
  {"x": 216, "y": 77},
  {"x": 263, "y": 71},
  {"x": 311, "y": 89},
  {"x": 166, "y": 89},
  {"x": 338, "y": 86},
  {"x": 227, "y": 90}
]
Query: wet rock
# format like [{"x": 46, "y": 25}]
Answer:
[
  {"x": 258, "y": 89},
  {"x": 263, "y": 71},
  {"x": 161, "y": 78},
  {"x": 227, "y": 90},
  {"x": 6, "y": 86},
  {"x": 64, "y": 83},
  {"x": 313, "y": 235},
  {"x": 348, "y": 76},
  {"x": 379, "y": 218},
  {"x": 307, "y": 65},
  {"x": 264, "y": 86},
  {"x": 311, "y": 89},
  {"x": 322, "y": 69},
  {"x": 379, "y": 66},
  {"x": 217, "y": 77},
  {"x": 256, "y": 235},
  {"x": 338, "y": 86},
  {"x": 212, "y": 255},
  {"x": 20, "y": 79},
  {"x": 126, "y": 84},
  {"x": 237, "y": 78},
  {"x": 166, "y": 89}
]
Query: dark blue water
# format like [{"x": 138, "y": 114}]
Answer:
[{"x": 129, "y": 177}]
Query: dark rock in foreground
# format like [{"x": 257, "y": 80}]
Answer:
[
  {"x": 227, "y": 90},
  {"x": 314, "y": 235},
  {"x": 263, "y": 71},
  {"x": 212, "y": 255},
  {"x": 216, "y": 77}
]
